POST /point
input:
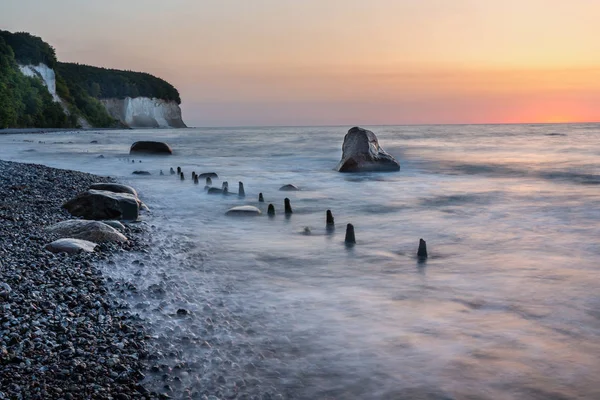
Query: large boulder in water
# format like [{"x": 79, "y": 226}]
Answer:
[
  {"x": 149, "y": 147},
  {"x": 101, "y": 204},
  {"x": 361, "y": 153},
  {"x": 92, "y": 231}
]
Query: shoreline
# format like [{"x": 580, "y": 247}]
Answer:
[
  {"x": 16, "y": 131},
  {"x": 63, "y": 332}
]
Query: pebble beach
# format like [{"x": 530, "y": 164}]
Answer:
[{"x": 63, "y": 335}]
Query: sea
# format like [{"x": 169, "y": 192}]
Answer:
[{"x": 506, "y": 306}]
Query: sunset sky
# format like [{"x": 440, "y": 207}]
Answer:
[{"x": 326, "y": 62}]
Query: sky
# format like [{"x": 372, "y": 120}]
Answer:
[{"x": 341, "y": 62}]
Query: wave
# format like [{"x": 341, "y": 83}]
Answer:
[{"x": 503, "y": 171}]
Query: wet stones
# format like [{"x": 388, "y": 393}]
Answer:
[
  {"x": 271, "y": 210},
  {"x": 71, "y": 246},
  {"x": 289, "y": 188},
  {"x": 243, "y": 211},
  {"x": 261, "y": 199},
  {"x": 208, "y": 181},
  {"x": 178, "y": 170},
  {"x": 66, "y": 335},
  {"x": 114, "y": 187},
  {"x": 101, "y": 204},
  {"x": 150, "y": 147},
  {"x": 208, "y": 175},
  {"x": 196, "y": 180},
  {"x": 141, "y": 173},
  {"x": 361, "y": 153},
  {"x": 92, "y": 231},
  {"x": 172, "y": 171},
  {"x": 182, "y": 176},
  {"x": 241, "y": 192}
]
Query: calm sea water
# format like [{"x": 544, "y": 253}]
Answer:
[{"x": 506, "y": 307}]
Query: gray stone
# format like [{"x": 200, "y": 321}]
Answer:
[
  {"x": 93, "y": 231},
  {"x": 71, "y": 246},
  {"x": 361, "y": 153},
  {"x": 289, "y": 188},
  {"x": 116, "y": 224},
  {"x": 208, "y": 175},
  {"x": 244, "y": 211},
  {"x": 150, "y": 147},
  {"x": 114, "y": 187},
  {"x": 101, "y": 204}
]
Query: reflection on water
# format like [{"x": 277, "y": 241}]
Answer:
[{"x": 506, "y": 307}]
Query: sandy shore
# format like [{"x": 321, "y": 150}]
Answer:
[{"x": 63, "y": 335}]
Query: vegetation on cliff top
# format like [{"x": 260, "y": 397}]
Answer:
[
  {"x": 103, "y": 83},
  {"x": 25, "y": 102}
]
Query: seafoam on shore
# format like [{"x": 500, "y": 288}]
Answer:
[{"x": 62, "y": 333}]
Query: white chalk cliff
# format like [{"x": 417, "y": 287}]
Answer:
[
  {"x": 48, "y": 77},
  {"x": 144, "y": 112},
  {"x": 138, "y": 112},
  {"x": 45, "y": 73}
]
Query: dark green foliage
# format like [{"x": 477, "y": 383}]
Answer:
[
  {"x": 103, "y": 83},
  {"x": 25, "y": 101},
  {"x": 29, "y": 49}
]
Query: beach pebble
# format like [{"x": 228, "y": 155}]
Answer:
[{"x": 71, "y": 246}]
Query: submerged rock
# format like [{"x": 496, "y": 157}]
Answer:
[
  {"x": 214, "y": 190},
  {"x": 71, "y": 246},
  {"x": 361, "y": 153},
  {"x": 289, "y": 188},
  {"x": 208, "y": 175},
  {"x": 102, "y": 204},
  {"x": 244, "y": 211},
  {"x": 141, "y": 173},
  {"x": 92, "y": 231},
  {"x": 150, "y": 147}
]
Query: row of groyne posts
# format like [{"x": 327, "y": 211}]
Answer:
[{"x": 329, "y": 220}]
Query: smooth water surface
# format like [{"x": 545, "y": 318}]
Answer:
[{"x": 506, "y": 307}]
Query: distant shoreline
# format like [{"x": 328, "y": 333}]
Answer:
[{"x": 10, "y": 131}]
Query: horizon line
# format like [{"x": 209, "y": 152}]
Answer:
[{"x": 387, "y": 125}]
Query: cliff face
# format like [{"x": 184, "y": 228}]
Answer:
[
  {"x": 45, "y": 73},
  {"x": 48, "y": 77},
  {"x": 77, "y": 95},
  {"x": 144, "y": 112},
  {"x": 138, "y": 112}
]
